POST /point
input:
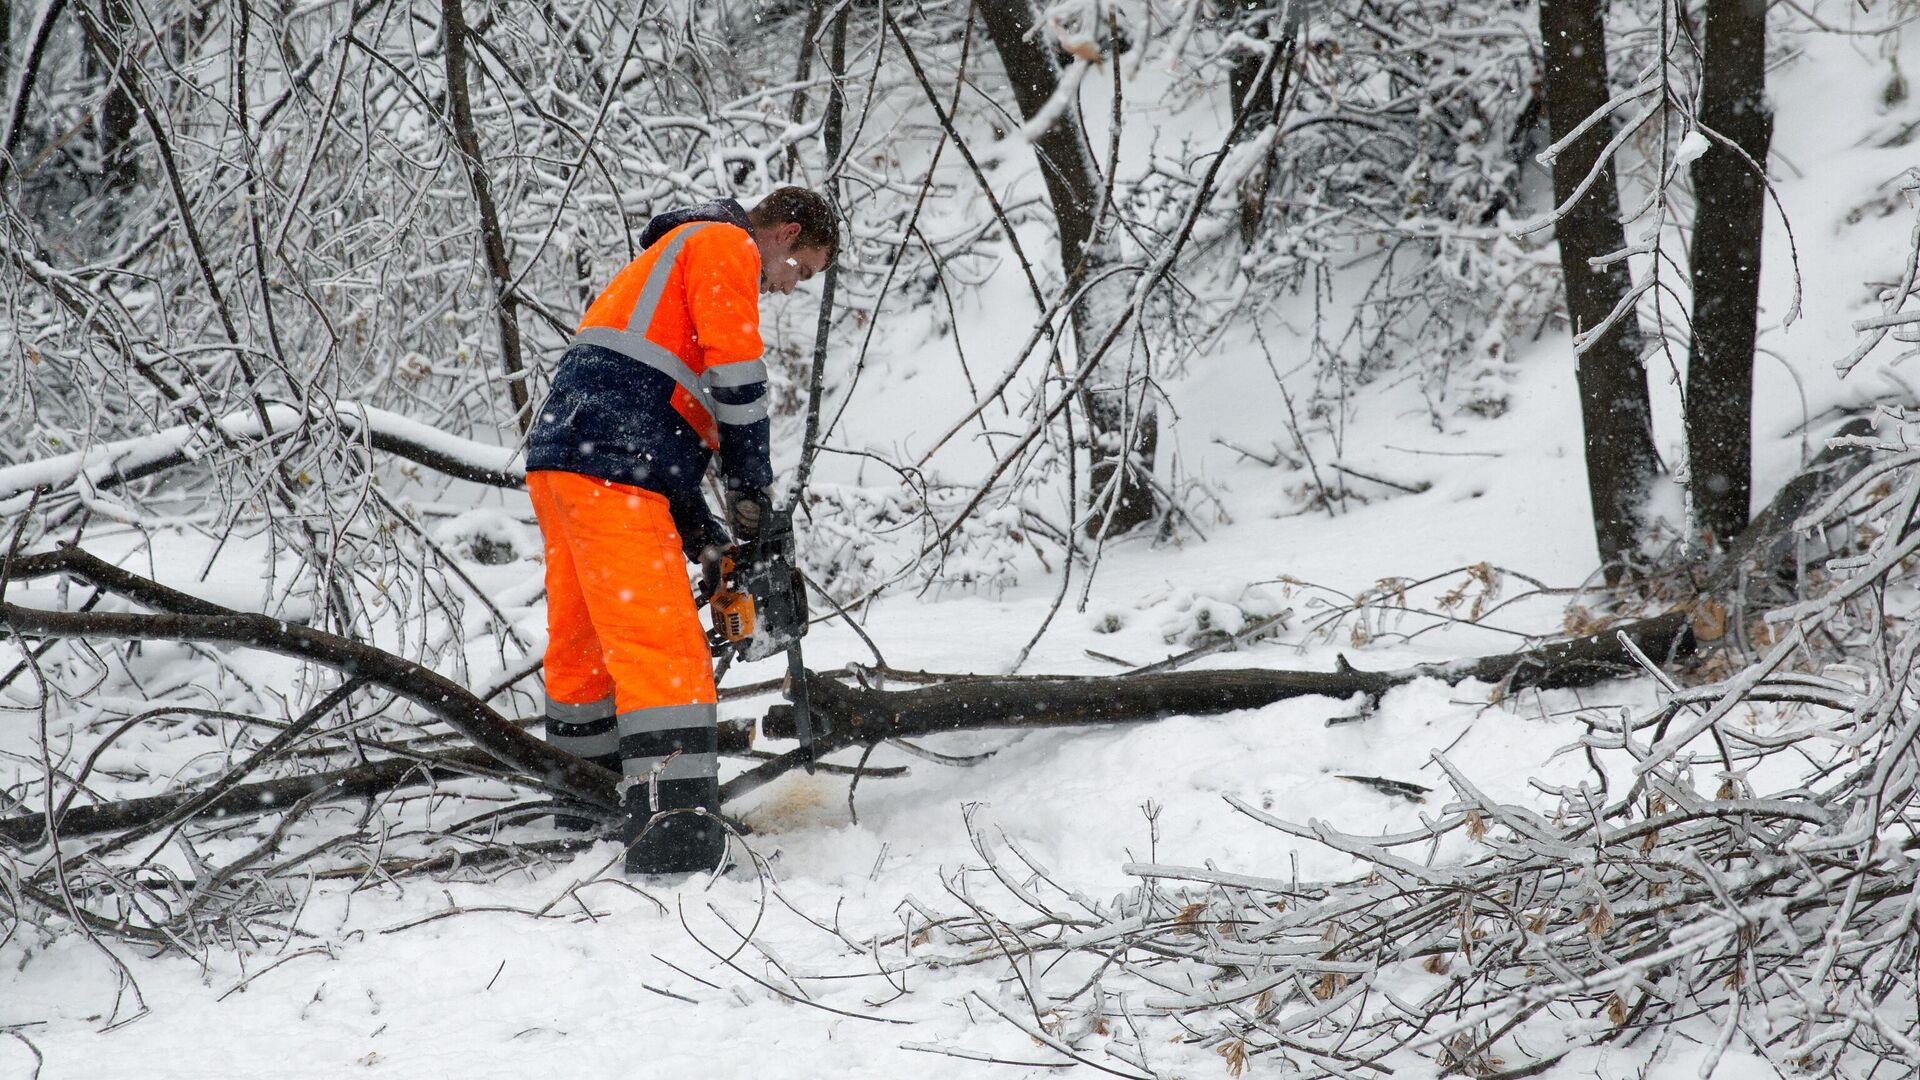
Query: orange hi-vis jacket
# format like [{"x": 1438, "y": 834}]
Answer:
[{"x": 665, "y": 370}]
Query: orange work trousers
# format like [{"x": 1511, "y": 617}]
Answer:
[{"x": 622, "y": 627}]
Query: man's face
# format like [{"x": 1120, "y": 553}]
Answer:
[{"x": 784, "y": 266}]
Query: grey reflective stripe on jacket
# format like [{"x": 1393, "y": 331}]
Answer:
[{"x": 634, "y": 344}]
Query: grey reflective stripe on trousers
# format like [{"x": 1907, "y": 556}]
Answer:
[
  {"x": 602, "y": 743},
  {"x": 662, "y": 722},
  {"x": 668, "y": 718},
  {"x": 634, "y": 344},
  {"x": 673, "y": 767},
  {"x": 582, "y": 713},
  {"x": 605, "y": 744}
]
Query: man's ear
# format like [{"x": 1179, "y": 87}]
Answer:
[{"x": 788, "y": 232}]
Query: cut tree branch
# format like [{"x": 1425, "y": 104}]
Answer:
[
  {"x": 447, "y": 700},
  {"x": 250, "y": 800}
]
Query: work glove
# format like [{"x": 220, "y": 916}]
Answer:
[{"x": 745, "y": 509}]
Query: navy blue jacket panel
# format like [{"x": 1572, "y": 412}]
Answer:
[{"x": 610, "y": 418}]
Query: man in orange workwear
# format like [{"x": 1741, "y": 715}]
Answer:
[{"x": 664, "y": 370}]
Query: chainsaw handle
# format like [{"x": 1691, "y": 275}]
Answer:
[{"x": 713, "y": 568}]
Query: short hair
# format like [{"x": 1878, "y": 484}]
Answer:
[{"x": 819, "y": 225}]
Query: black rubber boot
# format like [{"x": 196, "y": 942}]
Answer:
[
  {"x": 669, "y": 754},
  {"x": 666, "y": 842},
  {"x": 574, "y": 823}
]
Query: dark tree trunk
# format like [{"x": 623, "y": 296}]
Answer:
[
  {"x": 1613, "y": 387},
  {"x": 1257, "y": 98},
  {"x": 1253, "y": 97},
  {"x": 1765, "y": 565},
  {"x": 1066, "y": 161},
  {"x": 23, "y": 88},
  {"x": 1730, "y": 196},
  {"x": 833, "y": 134},
  {"x": 803, "y": 70},
  {"x": 118, "y": 116},
  {"x": 1074, "y": 189},
  {"x": 492, "y": 234}
]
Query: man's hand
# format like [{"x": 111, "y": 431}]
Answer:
[{"x": 745, "y": 510}]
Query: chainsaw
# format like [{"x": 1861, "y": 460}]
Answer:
[{"x": 758, "y": 606}]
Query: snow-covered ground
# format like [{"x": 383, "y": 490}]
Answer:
[{"x": 571, "y": 972}]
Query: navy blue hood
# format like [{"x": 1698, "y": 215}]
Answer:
[{"x": 725, "y": 211}]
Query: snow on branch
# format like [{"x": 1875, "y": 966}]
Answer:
[
  {"x": 123, "y": 461},
  {"x": 1892, "y": 318}
]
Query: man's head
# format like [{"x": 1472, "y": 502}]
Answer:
[{"x": 797, "y": 234}]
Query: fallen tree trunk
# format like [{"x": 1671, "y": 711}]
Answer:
[{"x": 860, "y": 715}]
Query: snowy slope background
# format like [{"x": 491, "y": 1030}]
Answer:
[{"x": 811, "y": 958}]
